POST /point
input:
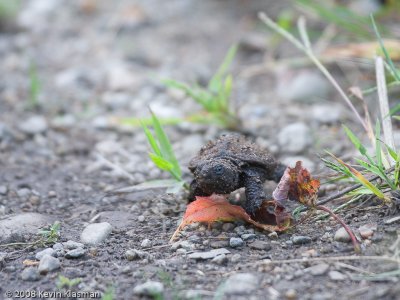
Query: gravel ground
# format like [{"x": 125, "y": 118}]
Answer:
[{"x": 62, "y": 151}]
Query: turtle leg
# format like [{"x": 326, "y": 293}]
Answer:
[
  {"x": 278, "y": 172},
  {"x": 253, "y": 182},
  {"x": 195, "y": 190}
]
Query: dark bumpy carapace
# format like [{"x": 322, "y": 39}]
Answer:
[{"x": 231, "y": 162}]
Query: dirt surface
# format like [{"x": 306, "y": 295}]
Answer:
[{"x": 99, "y": 61}]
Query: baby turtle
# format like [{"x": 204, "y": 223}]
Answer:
[{"x": 232, "y": 162}]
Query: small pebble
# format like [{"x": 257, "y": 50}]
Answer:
[
  {"x": 228, "y": 227},
  {"x": 150, "y": 288},
  {"x": 48, "y": 263},
  {"x": 341, "y": 235},
  {"x": 47, "y": 251},
  {"x": 273, "y": 235},
  {"x": 301, "y": 239},
  {"x": 236, "y": 258},
  {"x": 337, "y": 276},
  {"x": 291, "y": 294},
  {"x": 146, "y": 243},
  {"x": 52, "y": 194},
  {"x": 3, "y": 190},
  {"x": 70, "y": 245},
  {"x": 30, "y": 274},
  {"x": 75, "y": 253},
  {"x": 96, "y": 233},
  {"x": 141, "y": 219},
  {"x": 235, "y": 242},
  {"x": 219, "y": 244},
  {"x": 220, "y": 259},
  {"x": 367, "y": 230},
  {"x": 248, "y": 236},
  {"x": 260, "y": 245},
  {"x": 318, "y": 270}
]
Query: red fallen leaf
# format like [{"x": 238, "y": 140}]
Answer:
[
  {"x": 217, "y": 208},
  {"x": 302, "y": 188}
]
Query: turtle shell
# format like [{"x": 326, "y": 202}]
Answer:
[{"x": 236, "y": 148}]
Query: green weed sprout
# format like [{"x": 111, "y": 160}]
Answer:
[
  {"x": 51, "y": 235},
  {"x": 215, "y": 97},
  {"x": 64, "y": 282},
  {"x": 163, "y": 155}
]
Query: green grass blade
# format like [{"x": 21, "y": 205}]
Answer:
[
  {"x": 385, "y": 52},
  {"x": 357, "y": 143},
  {"x": 165, "y": 146},
  {"x": 152, "y": 141},
  {"x": 216, "y": 81},
  {"x": 161, "y": 162}
]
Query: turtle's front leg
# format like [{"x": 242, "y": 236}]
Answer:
[{"x": 253, "y": 182}]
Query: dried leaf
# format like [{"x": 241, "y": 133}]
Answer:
[
  {"x": 217, "y": 208},
  {"x": 29, "y": 262},
  {"x": 302, "y": 187}
]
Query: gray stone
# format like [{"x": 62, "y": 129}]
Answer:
[
  {"x": 220, "y": 259},
  {"x": 30, "y": 274},
  {"x": 337, "y": 276},
  {"x": 235, "y": 242},
  {"x": 182, "y": 244},
  {"x": 260, "y": 245},
  {"x": 367, "y": 230},
  {"x": 318, "y": 270},
  {"x": 75, "y": 253},
  {"x": 341, "y": 235},
  {"x": 301, "y": 239},
  {"x": 48, "y": 263},
  {"x": 134, "y": 254},
  {"x": 63, "y": 122},
  {"x": 34, "y": 125},
  {"x": 96, "y": 233},
  {"x": 273, "y": 235},
  {"x": 209, "y": 254},
  {"x": 304, "y": 87},
  {"x": 248, "y": 236},
  {"x": 295, "y": 138},
  {"x": 3, "y": 190},
  {"x": 240, "y": 229},
  {"x": 146, "y": 243},
  {"x": 47, "y": 251},
  {"x": 228, "y": 227},
  {"x": 236, "y": 258},
  {"x": 326, "y": 113},
  {"x": 392, "y": 220},
  {"x": 149, "y": 288},
  {"x": 241, "y": 283},
  {"x": 69, "y": 245},
  {"x": 141, "y": 219},
  {"x": 21, "y": 227},
  {"x": 219, "y": 244}
]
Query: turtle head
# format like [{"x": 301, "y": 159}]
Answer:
[{"x": 219, "y": 176}]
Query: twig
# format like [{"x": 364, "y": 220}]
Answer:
[
  {"x": 356, "y": 245},
  {"x": 313, "y": 58}
]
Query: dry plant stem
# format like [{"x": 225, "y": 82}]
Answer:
[
  {"x": 312, "y": 57},
  {"x": 356, "y": 245},
  {"x": 384, "y": 102}
]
